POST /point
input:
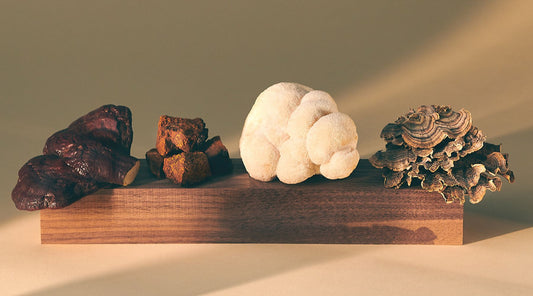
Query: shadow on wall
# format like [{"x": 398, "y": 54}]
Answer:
[
  {"x": 483, "y": 64},
  {"x": 206, "y": 272},
  {"x": 190, "y": 59},
  {"x": 511, "y": 209},
  {"x": 515, "y": 201},
  {"x": 387, "y": 57},
  {"x": 196, "y": 59}
]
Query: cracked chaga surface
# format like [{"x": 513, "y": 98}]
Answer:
[
  {"x": 176, "y": 134},
  {"x": 218, "y": 156},
  {"x": 90, "y": 158},
  {"x": 187, "y": 168},
  {"x": 110, "y": 124},
  {"x": 155, "y": 163},
  {"x": 441, "y": 150},
  {"x": 46, "y": 181},
  {"x": 182, "y": 153}
]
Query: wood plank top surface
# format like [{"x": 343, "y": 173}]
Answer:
[{"x": 365, "y": 177}]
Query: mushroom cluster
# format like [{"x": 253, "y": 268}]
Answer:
[
  {"x": 441, "y": 149},
  {"x": 294, "y": 132}
]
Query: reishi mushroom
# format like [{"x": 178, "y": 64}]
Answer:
[{"x": 91, "y": 153}]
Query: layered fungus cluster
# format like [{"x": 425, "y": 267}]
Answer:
[{"x": 440, "y": 149}]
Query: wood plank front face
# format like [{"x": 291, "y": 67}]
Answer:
[{"x": 238, "y": 209}]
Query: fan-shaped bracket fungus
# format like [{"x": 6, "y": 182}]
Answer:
[{"x": 443, "y": 150}]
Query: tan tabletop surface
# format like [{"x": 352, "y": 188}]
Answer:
[
  {"x": 59, "y": 60},
  {"x": 495, "y": 261}
]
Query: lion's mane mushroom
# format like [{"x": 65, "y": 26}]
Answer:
[{"x": 294, "y": 132}]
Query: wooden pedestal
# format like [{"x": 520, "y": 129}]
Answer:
[{"x": 238, "y": 209}]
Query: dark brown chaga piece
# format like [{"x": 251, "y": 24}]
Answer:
[
  {"x": 218, "y": 156},
  {"x": 92, "y": 159},
  {"x": 155, "y": 163},
  {"x": 110, "y": 124},
  {"x": 46, "y": 181},
  {"x": 93, "y": 152},
  {"x": 187, "y": 168},
  {"x": 175, "y": 135}
]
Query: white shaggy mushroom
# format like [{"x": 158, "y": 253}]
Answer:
[{"x": 294, "y": 132}]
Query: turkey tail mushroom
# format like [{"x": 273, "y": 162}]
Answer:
[{"x": 442, "y": 148}]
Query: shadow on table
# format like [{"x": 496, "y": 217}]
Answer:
[
  {"x": 220, "y": 267},
  {"x": 478, "y": 227}
]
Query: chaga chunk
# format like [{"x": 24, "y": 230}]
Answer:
[
  {"x": 155, "y": 163},
  {"x": 46, "y": 181},
  {"x": 92, "y": 159},
  {"x": 218, "y": 157},
  {"x": 187, "y": 168},
  {"x": 108, "y": 124},
  {"x": 176, "y": 134},
  {"x": 182, "y": 153}
]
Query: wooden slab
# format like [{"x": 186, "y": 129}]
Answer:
[{"x": 238, "y": 209}]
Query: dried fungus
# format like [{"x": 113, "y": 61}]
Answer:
[
  {"x": 294, "y": 132},
  {"x": 91, "y": 153},
  {"x": 442, "y": 149},
  {"x": 184, "y": 155}
]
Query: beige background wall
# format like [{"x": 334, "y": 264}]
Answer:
[{"x": 61, "y": 59}]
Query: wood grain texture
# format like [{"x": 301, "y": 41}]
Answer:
[{"x": 238, "y": 209}]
